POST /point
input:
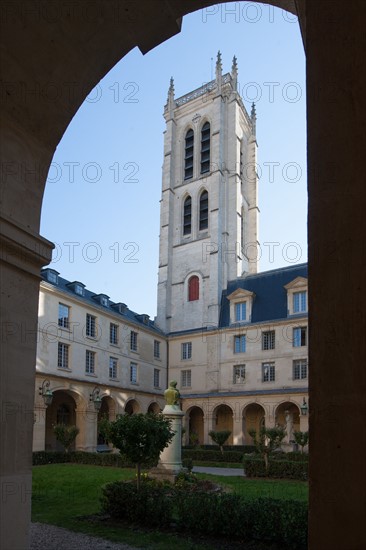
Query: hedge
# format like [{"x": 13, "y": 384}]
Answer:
[
  {"x": 238, "y": 448},
  {"x": 282, "y": 469},
  {"x": 80, "y": 457},
  {"x": 212, "y": 456},
  {"x": 226, "y": 515}
]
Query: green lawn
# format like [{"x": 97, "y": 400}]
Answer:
[{"x": 64, "y": 493}]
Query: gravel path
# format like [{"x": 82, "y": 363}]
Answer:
[{"x": 49, "y": 537}]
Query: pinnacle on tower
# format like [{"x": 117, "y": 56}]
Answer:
[
  {"x": 234, "y": 73},
  {"x": 171, "y": 95},
  {"x": 218, "y": 66},
  {"x": 253, "y": 116}
]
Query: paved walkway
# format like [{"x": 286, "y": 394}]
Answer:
[{"x": 218, "y": 471}]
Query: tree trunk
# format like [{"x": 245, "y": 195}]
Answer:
[{"x": 138, "y": 466}]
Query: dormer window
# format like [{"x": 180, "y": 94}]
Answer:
[
  {"x": 79, "y": 289},
  {"x": 297, "y": 296},
  {"x": 51, "y": 275},
  {"x": 241, "y": 303},
  {"x": 103, "y": 299}
]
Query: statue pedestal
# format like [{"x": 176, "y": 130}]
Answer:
[{"x": 170, "y": 461}]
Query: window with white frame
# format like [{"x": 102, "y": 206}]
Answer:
[
  {"x": 241, "y": 311},
  {"x": 300, "y": 369},
  {"x": 299, "y": 337},
  {"x": 238, "y": 374},
  {"x": 187, "y": 350},
  {"x": 240, "y": 343},
  {"x": 133, "y": 373},
  {"x": 268, "y": 339},
  {"x": 299, "y": 302},
  {"x": 156, "y": 378},
  {"x": 113, "y": 364},
  {"x": 91, "y": 325},
  {"x": 63, "y": 356},
  {"x": 268, "y": 372},
  {"x": 133, "y": 340},
  {"x": 113, "y": 334},
  {"x": 156, "y": 349},
  {"x": 89, "y": 362},
  {"x": 63, "y": 316},
  {"x": 79, "y": 289},
  {"x": 185, "y": 379}
]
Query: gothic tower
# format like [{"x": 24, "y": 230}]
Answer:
[{"x": 209, "y": 210}]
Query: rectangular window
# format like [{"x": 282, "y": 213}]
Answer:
[
  {"x": 240, "y": 343},
  {"x": 133, "y": 341},
  {"x": 113, "y": 334},
  {"x": 113, "y": 362},
  {"x": 156, "y": 349},
  {"x": 186, "y": 378},
  {"x": 300, "y": 369},
  {"x": 90, "y": 325},
  {"x": 268, "y": 339},
  {"x": 299, "y": 337},
  {"x": 63, "y": 316},
  {"x": 156, "y": 378},
  {"x": 268, "y": 372},
  {"x": 241, "y": 311},
  {"x": 299, "y": 301},
  {"x": 89, "y": 362},
  {"x": 187, "y": 350},
  {"x": 239, "y": 374},
  {"x": 63, "y": 356},
  {"x": 133, "y": 373}
]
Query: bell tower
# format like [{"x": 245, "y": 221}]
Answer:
[{"x": 209, "y": 208}]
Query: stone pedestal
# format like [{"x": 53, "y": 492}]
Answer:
[{"x": 170, "y": 461}]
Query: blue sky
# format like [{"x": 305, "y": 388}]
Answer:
[{"x": 101, "y": 203}]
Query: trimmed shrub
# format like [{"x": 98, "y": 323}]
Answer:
[
  {"x": 79, "y": 457},
  {"x": 149, "y": 505},
  {"x": 212, "y": 456},
  {"x": 234, "y": 517},
  {"x": 281, "y": 469}
]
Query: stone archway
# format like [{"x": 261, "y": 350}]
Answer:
[
  {"x": 31, "y": 131},
  {"x": 222, "y": 419},
  {"x": 154, "y": 407},
  {"x": 132, "y": 407},
  {"x": 253, "y": 419},
  {"x": 195, "y": 435},
  {"x": 61, "y": 411}
]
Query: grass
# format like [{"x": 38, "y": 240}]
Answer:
[{"x": 64, "y": 494}]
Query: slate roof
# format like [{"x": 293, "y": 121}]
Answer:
[
  {"x": 89, "y": 299},
  {"x": 270, "y": 302}
]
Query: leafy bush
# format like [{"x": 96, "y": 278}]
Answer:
[
  {"x": 79, "y": 457},
  {"x": 66, "y": 435},
  {"x": 282, "y": 469},
  {"x": 148, "y": 505},
  {"x": 220, "y": 438}
]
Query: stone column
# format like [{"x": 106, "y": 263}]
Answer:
[{"x": 39, "y": 429}]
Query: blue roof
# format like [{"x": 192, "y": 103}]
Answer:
[
  {"x": 90, "y": 298},
  {"x": 270, "y": 302}
]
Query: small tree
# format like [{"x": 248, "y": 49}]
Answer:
[
  {"x": 302, "y": 439},
  {"x": 267, "y": 441},
  {"x": 140, "y": 438},
  {"x": 220, "y": 438},
  {"x": 193, "y": 439},
  {"x": 65, "y": 435}
]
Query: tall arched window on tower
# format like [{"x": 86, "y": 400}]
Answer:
[
  {"x": 187, "y": 216},
  {"x": 188, "y": 155},
  {"x": 193, "y": 288},
  {"x": 203, "y": 211},
  {"x": 205, "y": 148}
]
